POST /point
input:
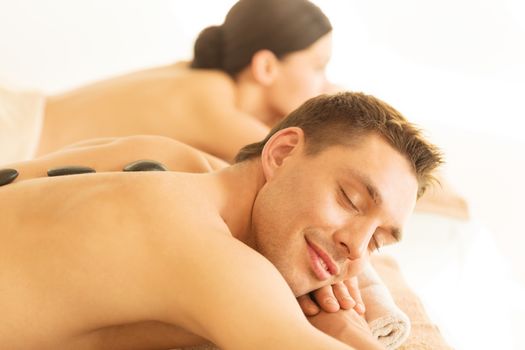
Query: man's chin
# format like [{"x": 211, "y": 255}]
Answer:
[{"x": 302, "y": 286}]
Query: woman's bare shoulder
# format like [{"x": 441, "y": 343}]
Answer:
[{"x": 209, "y": 83}]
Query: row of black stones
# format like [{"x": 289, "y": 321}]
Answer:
[{"x": 9, "y": 175}]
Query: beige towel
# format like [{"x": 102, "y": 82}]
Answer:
[
  {"x": 444, "y": 200},
  {"x": 21, "y": 115},
  {"x": 388, "y": 323}
]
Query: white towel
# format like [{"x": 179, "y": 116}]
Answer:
[
  {"x": 21, "y": 116},
  {"x": 388, "y": 323}
]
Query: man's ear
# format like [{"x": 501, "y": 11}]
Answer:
[
  {"x": 264, "y": 67},
  {"x": 283, "y": 144}
]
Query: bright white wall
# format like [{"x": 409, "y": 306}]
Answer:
[
  {"x": 57, "y": 44},
  {"x": 457, "y": 67}
]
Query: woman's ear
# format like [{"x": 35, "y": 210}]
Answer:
[
  {"x": 283, "y": 144},
  {"x": 264, "y": 67}
]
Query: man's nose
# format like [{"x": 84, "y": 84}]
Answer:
[{"x": 355, "y": 238}]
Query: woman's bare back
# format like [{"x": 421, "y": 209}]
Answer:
[{"x": 197, "y": 107}]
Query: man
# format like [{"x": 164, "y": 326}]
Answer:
[{"x": 164, "y": 260}]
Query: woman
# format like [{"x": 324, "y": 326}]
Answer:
[{"x": 266, "y": 59}]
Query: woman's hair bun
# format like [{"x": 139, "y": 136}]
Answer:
[{"x": 208, "y": 49}]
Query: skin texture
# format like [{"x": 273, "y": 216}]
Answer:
[
  {"x": 138, "y": 260},
  {"x": 113, "y": 154},
  {"x": 203, "y": 108},
  {"x": 347, "y": 240}
]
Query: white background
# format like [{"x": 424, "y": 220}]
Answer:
[{"x": 456, "y": 67}]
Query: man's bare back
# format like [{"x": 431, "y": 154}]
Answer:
[
  {"x": 104, "y": 155},
  {"x": 93, "y": 253},
  {"x": 114, "y": 154},
  {"x": 106, "y": 270}
]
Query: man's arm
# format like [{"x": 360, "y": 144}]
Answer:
[{"x": 241, "y": 303}]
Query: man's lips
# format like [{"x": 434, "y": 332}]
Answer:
[{"x": 321, "y": 263}]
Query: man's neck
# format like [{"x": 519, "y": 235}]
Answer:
[{"x": 239, "y": 186}]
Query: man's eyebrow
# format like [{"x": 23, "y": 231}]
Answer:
[
  {"x": 374, "y": 193},
  {"x": 366, "y": 182}
]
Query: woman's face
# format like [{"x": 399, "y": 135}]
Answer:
[{"x": 300, "y": 76}]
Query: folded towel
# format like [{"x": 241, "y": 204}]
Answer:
[
  {"x": 21, "y": 114},
  {"x": 388, "y": 323},
  {"x": 424, "y": 333}
]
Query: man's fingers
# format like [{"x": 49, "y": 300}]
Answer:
[
  {"x": 308, "y": 306},
  {"x": 353, "y": 288},
  {"x": 346, "y": 301},
  {"x": 326, "y": 299}
]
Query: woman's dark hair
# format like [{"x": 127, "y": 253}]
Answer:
[{"x": 281, "y": 26}]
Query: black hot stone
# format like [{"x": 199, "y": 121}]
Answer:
[
  {"x": 145, "y": 165},
  {"x": 7, "y": 176},
  {"x": 70, "y": 170}
]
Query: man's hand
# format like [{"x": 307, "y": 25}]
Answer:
[
  {"x": 342, "y": 295},
  {"x": 347, "y": 326}
]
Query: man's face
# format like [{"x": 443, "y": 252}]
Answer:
[{"x": 318, "y": 217}]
